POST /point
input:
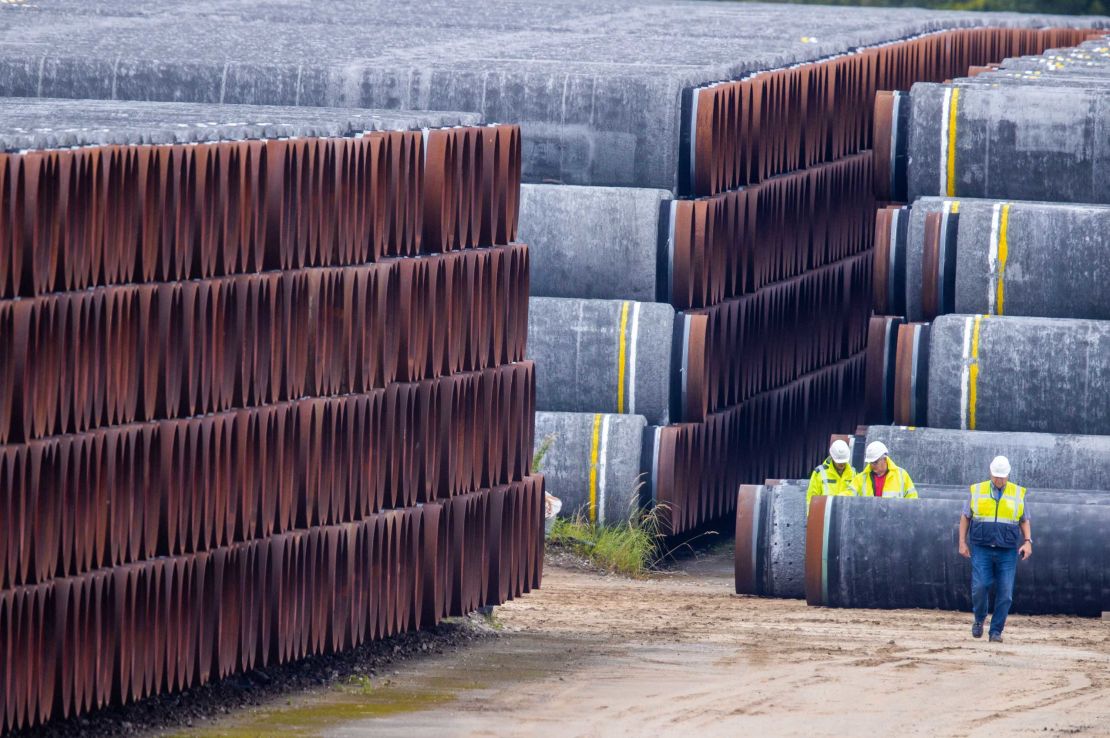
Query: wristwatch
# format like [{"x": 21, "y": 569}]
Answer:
[{"x": 1028, "y": 540}]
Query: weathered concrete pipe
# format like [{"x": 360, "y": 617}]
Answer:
[
  {"x": 943, "y": 456},
  {"x": 595, "y": 242},
  {"x": 994, "y": 257},
  {"x": 976, "y": 372},
  {"x": 771, "y": 529},
  {"x": 867, "y": 552},
  {"x": 592, "y": 463},
  {"x": 615, "y": 356},
  {"x": 983, "y": 141}
]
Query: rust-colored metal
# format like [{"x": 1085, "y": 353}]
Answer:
[
  {"x": 883, "y": 154},
  {"x": 747, "y": 508},
  {"x": 930, "y": 265},
  {"x": 181, "y": 212},
  {"x": 815, "y": 551},
  {"x": 882, "y": 340},
  {"x": 782, "y": 120},
  {"x": 737, "y": 242},
  {"x": 75, "y": 643}
]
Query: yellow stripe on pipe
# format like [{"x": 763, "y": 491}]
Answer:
[
  {"x": 973, "y": 374},
  {"x": 955, "y": 206},
  {"x": 593, "y": 467},
  {"x": 1003, "y": 250},
  {"x": 952, "y": 143},
  {"x": 622, "y": 354}
]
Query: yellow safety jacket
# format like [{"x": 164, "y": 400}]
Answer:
[
  {"x": 897, "y": 484},
  {"x": 825, "y": 481},
  {"x": 996, "y": 522}
]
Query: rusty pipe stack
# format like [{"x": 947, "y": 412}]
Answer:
[
  {"x": 769, "y": 240},
  {"x": 259, "y": 397},
  {"x": 772, "y": 245}
]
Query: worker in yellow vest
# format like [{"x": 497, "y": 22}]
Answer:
[
  {"x": 833, "y": 476},
  {"x": 998, "y": 521},
  {"x": 882, "y": 477}
]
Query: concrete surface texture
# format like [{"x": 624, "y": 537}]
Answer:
[
  {"x": 592, "y": 463},
  {"x": 48, "y": 123},
  {"x": 596, "y": 84},
  {"x": 1033, "y": 279},
  {"x": 1055, "y": 263},
  {"x": 609, "y": 356},
  {"x": 1043, "y": 375},
  {"x": 595, "y": 242},
  {"x": 1004, "y": 133},
  {"x": 956, "y": 457}
]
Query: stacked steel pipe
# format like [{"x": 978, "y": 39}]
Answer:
[
  {"x": 765, "y": 254},
  {"x": 771, "y": 535},
  {"x": 259, "y": 397},
  {"x": 773, "y": 251},
  {"x": 1019, "y": 376}
]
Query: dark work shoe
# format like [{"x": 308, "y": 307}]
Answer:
[
  {"x": 996, "y": 638},
  {"x": 977, "y": 629}
]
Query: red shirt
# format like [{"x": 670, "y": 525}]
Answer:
[{"x": 878, "y": 483}]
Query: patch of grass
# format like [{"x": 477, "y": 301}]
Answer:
[
  {"x": 631, "y": 548},
  {"x": 541, "y": 451}
]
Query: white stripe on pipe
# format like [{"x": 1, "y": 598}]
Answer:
[
  {"x": 632, "y": 358},
  {"x": 944, "y": 142},
  {"x": 891, "y": 286},
  {"x": 685, "y": 359},
  {"x": 670, "y": 249},
  {"x": 965, "y": 372},
  {"x": 655, "y": 464},
  {"x": 894, "y": 141},
  {"x": 992, "y": 258},
  {"x": 602, "y": 463},
  {"x": 694, "y": 137}
]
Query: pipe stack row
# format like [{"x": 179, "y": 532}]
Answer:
[
  {"x": 770, "y": 247},
  {"x": 260, "y": 397},
  {"x": 1002, "y": 249}
]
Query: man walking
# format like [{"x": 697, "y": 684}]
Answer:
[
  {"x": 833, "y": 476},
  {"x": 882, "y": 477},
  {"x": 1000, "y": 533}
]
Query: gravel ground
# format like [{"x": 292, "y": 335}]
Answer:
[{"x": 195, "y": 706}]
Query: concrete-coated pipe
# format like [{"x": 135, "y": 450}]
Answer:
[
  {"x": 618, "y": 356},
  {"x": 1003, "y": 373},
  {"x": 983, "y": 141},
  {"x": 867, "y": 552},
  {"x": 771, "y": 529},
  {"x": 997, "y": 257},
  {"x": 592, "y": 463},
  {"x": 594, "y": 242},
  {"x": 943, "y": 456}
]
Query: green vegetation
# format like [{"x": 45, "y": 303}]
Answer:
[
  {"x": 631, "y": 549},
  {"x": 1066, "y": 7},
  {"x": 537, "y": 458}
]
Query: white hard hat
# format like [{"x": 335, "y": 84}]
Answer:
[
  {"x": 874, "y": 451},
  {"x": 1000, "y": 467},
  {"x": 839, "y": 452}
]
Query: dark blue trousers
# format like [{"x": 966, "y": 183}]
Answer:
[{"x": 992, "y": 567}]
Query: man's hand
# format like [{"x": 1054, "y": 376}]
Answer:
[
  {"x": 1026, "y": 550},
  {"x": 965, "y": 551}
]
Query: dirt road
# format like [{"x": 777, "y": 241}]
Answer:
[{"x": 679, "y": 654}]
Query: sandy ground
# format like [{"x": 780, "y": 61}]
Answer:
[{"x": 679, "y": 654}]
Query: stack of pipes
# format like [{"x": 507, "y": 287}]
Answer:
[
  {"x": 263, "y": 390},
  {"x": 1003, "y": 249}
]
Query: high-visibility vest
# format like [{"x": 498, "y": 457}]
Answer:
[
  {"x": 897, "y": 484},
  {"x": 1007, "y": 509},
  {"x": 825, "y": 481}
]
